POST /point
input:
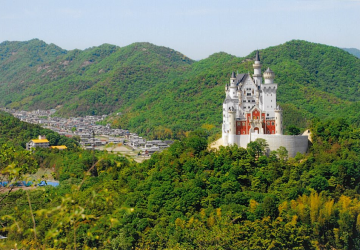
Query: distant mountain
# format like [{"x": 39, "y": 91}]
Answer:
[
  {"x": 162, "y": 93},
  {"x": 353, "y": 51}
]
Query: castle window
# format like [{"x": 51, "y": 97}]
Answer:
[
  {"x": 243, "y": 132},
  {"x": 244, "y": 100},
  {"x": 248, "y": 100},
  {"x": 238, "y": 123},
  {"x": 268, "y": 132},
  {"x": 248, "y": 94},
  {"x": 272, "y": 123},
  {"x": 253, "y": 100},
  {"x": 238, "y": 132},
  {"x": 268, "y": 123},
  {"x": 243, "y": 123},
  {"x": 273, "y": 131},
  {"x": 267, "y": 114}
]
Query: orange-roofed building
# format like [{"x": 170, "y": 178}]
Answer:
[{"x": 61, "y": 147}]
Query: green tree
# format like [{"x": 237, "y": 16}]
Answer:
[
  {"x": 294, "y": 130},
  {"x": 257, "y": 147}
]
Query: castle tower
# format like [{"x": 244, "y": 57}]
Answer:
[
  {"x": 233, "y": 87},
  {"x": 269, "y": 76},
  {"x": 257, "y": 70},
  {"x": 278, "y": 121},
  {"x": 269, "y": 88},
  {"x": 232, "y": 125}
]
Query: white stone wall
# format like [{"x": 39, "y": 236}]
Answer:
[
  {"x": 293, "y": 143},
  {"x": 232, "y": 128},
  {"x": 278, "y": 122}
]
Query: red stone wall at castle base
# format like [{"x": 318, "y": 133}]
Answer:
[{"x": 243, "y": 126}]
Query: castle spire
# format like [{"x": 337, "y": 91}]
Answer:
[
  {"x": 257, "y": 57},
  {"x": 257, "y": 69}
]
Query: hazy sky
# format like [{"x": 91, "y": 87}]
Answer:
[{"x": 196, "y": 28}]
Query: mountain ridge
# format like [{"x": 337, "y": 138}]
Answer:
[
  {"x": 353, "y": 51},
  {"x": 158, "y": 89}
]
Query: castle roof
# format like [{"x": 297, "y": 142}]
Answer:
[
  {"x": 257, "y": 57},
  {"x": 227, "y": 99},
  {"x": 269, "y": 70},
  {"x": 233, "y": 74},
  {"x": 240, "y": 78}
]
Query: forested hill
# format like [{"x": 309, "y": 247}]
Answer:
[
  {"x": 98, "y": 80},
  {"x": 163, "y": 93},
  {"x": 353, "y": 51}
]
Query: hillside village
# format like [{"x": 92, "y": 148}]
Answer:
[{"x": 90, "y": 133}]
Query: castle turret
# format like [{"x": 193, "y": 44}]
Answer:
[
  {"x": 269, "y": 76},
  {"x": 232, "y": 126},
  {"x": 278, "y": 121},
  {"x": 233, "y": 87},
  {"x": 257, "y": 70}
]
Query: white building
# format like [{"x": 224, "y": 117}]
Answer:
[
  {"x": 250, "y": 111},
  {"x": 42, "y": 142}
]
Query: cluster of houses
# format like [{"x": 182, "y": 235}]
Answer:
[
  {"x": 86, "y": 128},
  {"x": 83, "y": 127},
  {"x": 146, "y": 147}
]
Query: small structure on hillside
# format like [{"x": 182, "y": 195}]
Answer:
[
  {"x": 61, "y": 147},
  {"x": 42, "y": 142}
]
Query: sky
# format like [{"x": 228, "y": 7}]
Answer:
[{"x": 196, "y": 28}]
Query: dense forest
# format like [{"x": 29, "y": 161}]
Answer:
[
  {"x": 158, "y": 92},
  {"x": 187, "y": 197}
]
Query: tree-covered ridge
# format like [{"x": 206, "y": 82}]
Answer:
[
  {"x": 96, "y": 80},
  {"x": 161, "y": 93},
  {"x": 353, "y": 51},
  {"x": 17, "y": 133},
  {"x": 189, "y": 197},
  {"x": 314, "y": 81}
]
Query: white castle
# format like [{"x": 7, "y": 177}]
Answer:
[{"x": 250, "y": 111}]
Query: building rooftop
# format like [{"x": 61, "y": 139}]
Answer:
[
  {"x": 40, "y": 140},
  {"x": 59, "y": 147}
]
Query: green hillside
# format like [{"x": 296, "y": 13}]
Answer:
[
  {"x": 314, "y": 81},
  {"x": 97, "y": 80},
  {"x": 162, "y": 93},
  {"x": 186, "y": 197}
]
